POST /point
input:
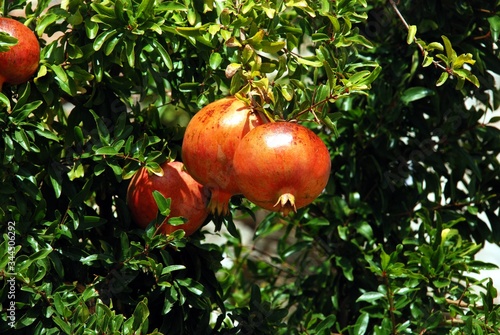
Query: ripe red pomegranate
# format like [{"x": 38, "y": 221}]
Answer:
[
  {"x": 19, "y": 63},
  {"x": 281, "y": 166},
  {"x": 188, "y": 198},
  {"x": 209, "y": 143}
]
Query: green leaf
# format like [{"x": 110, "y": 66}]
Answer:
[
  {"x": 162, "y": 202},
  {"x": 102, "y": 129},
  {"x": 22, "y": 111},
  {"x": 442, "y": 79},
  {"x": 357, "y": 77},
  {"x": 102, "y": 38},
  {"x": 91, "y": 28},
  {"x": 146, "y": 8},
  {"x": 494, "y": 22},
  {"x": 176, "y": 221},
  {"x": 45, "y": 21},
  {"x": 163, "y": 53},
  {"x": 155, "y": 168},
  {"x": 189, "y": 87},
  {"x": 318, "y": 37},
  {"x": 191, "y": 285},
  {"x": 215, "y": 60},
  {"x": 326, "y": 324},
  {"x": 21, "y": 138},
  {"x": 271, "y": 47},
  {"x": 367, "y": 80},
  {"x": 287, "y": 92},
  {"x": 361, "y": 324},
  {"x": 63, "y": 80},
  {"x": 346, "y": 267},
  {"x": 140, "y": 315},
  {"x": 371, "y": 297},
  {"x": 172, "y": 268},
  {"x": 41, "y": 254},
  {"x": 46, "y": 133},
  {"x": 55, "y": 176},
  {"x": 466, "y": 75},
  {"x": 83, "y": 194},
  {"x": 463, "y": 59},
  {"x": 434, "y": 46},
  {"x": 450, "y": 53},
  {"x": 111, "y": 44},
  {"x": 416, "y": 93},
  {"x": 5, "y": 101},
  {"x": 107, "y": 150},
  {"x": 6, "y": 41},
  {"x": 295, "y": 248},
  {"x": 331, "y": 125},
  {"x": 330, "y": 74},
  {"x": 441, "y": 282},
  {"x": 90, "y": 222},
  {"x": 130, "y": 52},
  {"x": 428, "y": 60},
  {"x": 412, "y": 31},
  {"x": 98, "y": 170},
  {"x": 385, "y": 260},
  {"x": 232, "y": 69},
  {"x": 310, "y": 61}
]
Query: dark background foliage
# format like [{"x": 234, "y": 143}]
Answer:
[{"x": 388, "y": 248}]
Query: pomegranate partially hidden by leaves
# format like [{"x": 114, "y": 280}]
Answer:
[
  {"x": 209, "y": 143},
  {"x": 20, "y": 62},
  {"x": 188, "y": 199},
  {"x": 281, "y": 166}
]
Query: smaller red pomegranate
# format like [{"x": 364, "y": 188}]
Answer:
[
  {"x": 188, "y": 198},
  {"x": 281, "y": 166},
  {"x": 20, "y": 62},
  {"x": 209, "y": 143}
]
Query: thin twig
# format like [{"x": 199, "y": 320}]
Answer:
[
  {"x": 390, "y": 298},
  {"x": 407, "y": 26}
]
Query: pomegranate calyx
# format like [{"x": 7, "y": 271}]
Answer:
[
  {"x": 219, "y": 203},
  {"x": 286, "y": 203}
]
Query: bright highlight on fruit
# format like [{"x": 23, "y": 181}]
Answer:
[
  {"x": 20, "y": 62},
  {"x": 209, "y": 143},
  {"x": 281, "y": 166}
]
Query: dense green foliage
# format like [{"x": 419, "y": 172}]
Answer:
[{"x": 388, "y": 248}]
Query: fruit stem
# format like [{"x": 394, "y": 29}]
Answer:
[{"x": 286, "y": 203}]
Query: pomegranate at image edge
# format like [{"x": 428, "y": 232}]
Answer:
[
  {"x": 20, "y": 62},
  {"x": 282, "y": 166},
  {"x": 188, "y": 198},
  {"x": 209, "y": 143}
]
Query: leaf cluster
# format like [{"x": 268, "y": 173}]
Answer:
[{"x": 387, "y": 248}]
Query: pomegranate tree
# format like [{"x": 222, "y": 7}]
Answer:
[
  {"x": 188, "y": 198},
  {"x": 20, "y": 62},
  {"x": 281, "y": 166},
  {"x": 209, "y": 143}
]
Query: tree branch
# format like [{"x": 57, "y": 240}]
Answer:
[{"x": 407, "y": 26}]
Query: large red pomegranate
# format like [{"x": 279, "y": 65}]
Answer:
[
  {"x": 20, "y": 62},
  {"x": 209, "y": 143},
  {"x": 188, "y": 198},
  {"x": 281, "y": 166}
]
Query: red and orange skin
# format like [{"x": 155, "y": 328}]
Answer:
[
  {"x": 20, "y": 62},
  {"x": 282, "y": 166},
  {"x": 209, "y": 144},
  {"x": 188, "y": 198}
]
